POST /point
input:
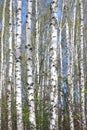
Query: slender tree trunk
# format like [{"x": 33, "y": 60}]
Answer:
[
  {"x": 18, "y": 67},
  {"x": 30, "y": 82},
  {"x": 47, "y": 88},
  {"x": 69, "y": 79},
  {"x": 14, "y": 117},
  {"x": 37, "y": 43},
  {"x": 14, "y": 39},
  {"x": 10, "y": 74},
  {"x": 61, "y": 75},
  {"x": 73, "y": 54},
  {"x": 2, "y": 57},
  {"x": 38, "y": 88},
  {"x": 82, "y": 85},
  {"x": 53, "y": 68},
  {"x": 61, "y": 66},
  {"x": 77, "y": 78}
]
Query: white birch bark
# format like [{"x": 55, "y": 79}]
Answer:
[
  {"x": 2, "y": 57},
  {"x": 72, "y": 69},
  {"x": 73, "y": 54},
  {"x": 43, "y": 83},
  {"x": 76, "y": 75},
  {"x": 69, "y": 78},
  {"x": 37, "y": 43},
  {"x": 47, "y": 87},
  {"x": 30, "y": 81},
  {"x": 14, "y": 66},
  {"x": 61, "y": 64},
  {"x": 76, "y": 60},
  {"x": 53, "y": 68},
  {"x": 38, "y": 89},
  {"x": 18, "y": 68},
  {"x": 14, "y": 37},
  {"x": 10, "y": 74},
  {"x": 82, "y": 85},
  {"x": 77, "y": 79},
  {"x": 61, "y": 75}
]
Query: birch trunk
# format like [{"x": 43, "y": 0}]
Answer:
[
  {"x": 61, "y": 65},
  {"x": 69, "y": 79},
  {"x": 37, "y": 44},
  {"x": 82, "y": 85},
  {"x": 73, "y": 54},
  {"x": 53, "y": 68},
  {"x": 14, "y": 39},
  {"x": 77, "y": 79},
  {"x": 14, "y": 125},
  {"x": 10, "y": 68},
  {"x": 61, "y": 76},
  {"x": 38, "y": 89},
  {"x": 2, "y": 57},
  {"x": 18, "y": 67},
  {"x": 30, "y": 82}
]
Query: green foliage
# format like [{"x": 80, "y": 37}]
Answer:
[
  {"x": 85, "y": 91},
  {"x": 25, "y": 110}
]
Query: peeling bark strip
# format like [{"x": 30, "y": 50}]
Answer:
[
  {"x": 82, "y": 85},
  {"x": 30, "y": 82},
  {"x": 18, "y": 68},
  {"x": 53, "y": 68},
  {"x": 10, "y": 68}
]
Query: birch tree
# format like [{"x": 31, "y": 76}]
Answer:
[
  {"x": 61, "y": 62},
  {"x": 69, "y": 78},
  {"x": 2, "y": 56},
  {"x": 53, "y": 67},
  {"x": 13, "y": 90},
  {"x": 77, "y": 76},
  {"x": 82, "y": 82},
  {"x": 18, "y": 67},
  {"x": 37, "y": 57},
  {"x": 72, "y": 49},
  {"x": 10, "y": 68},
  {"x": 37, "y": 41},
  {"x": 30, "y": 82}
]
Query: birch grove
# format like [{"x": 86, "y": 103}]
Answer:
[{"x": 43, "y": 65}]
